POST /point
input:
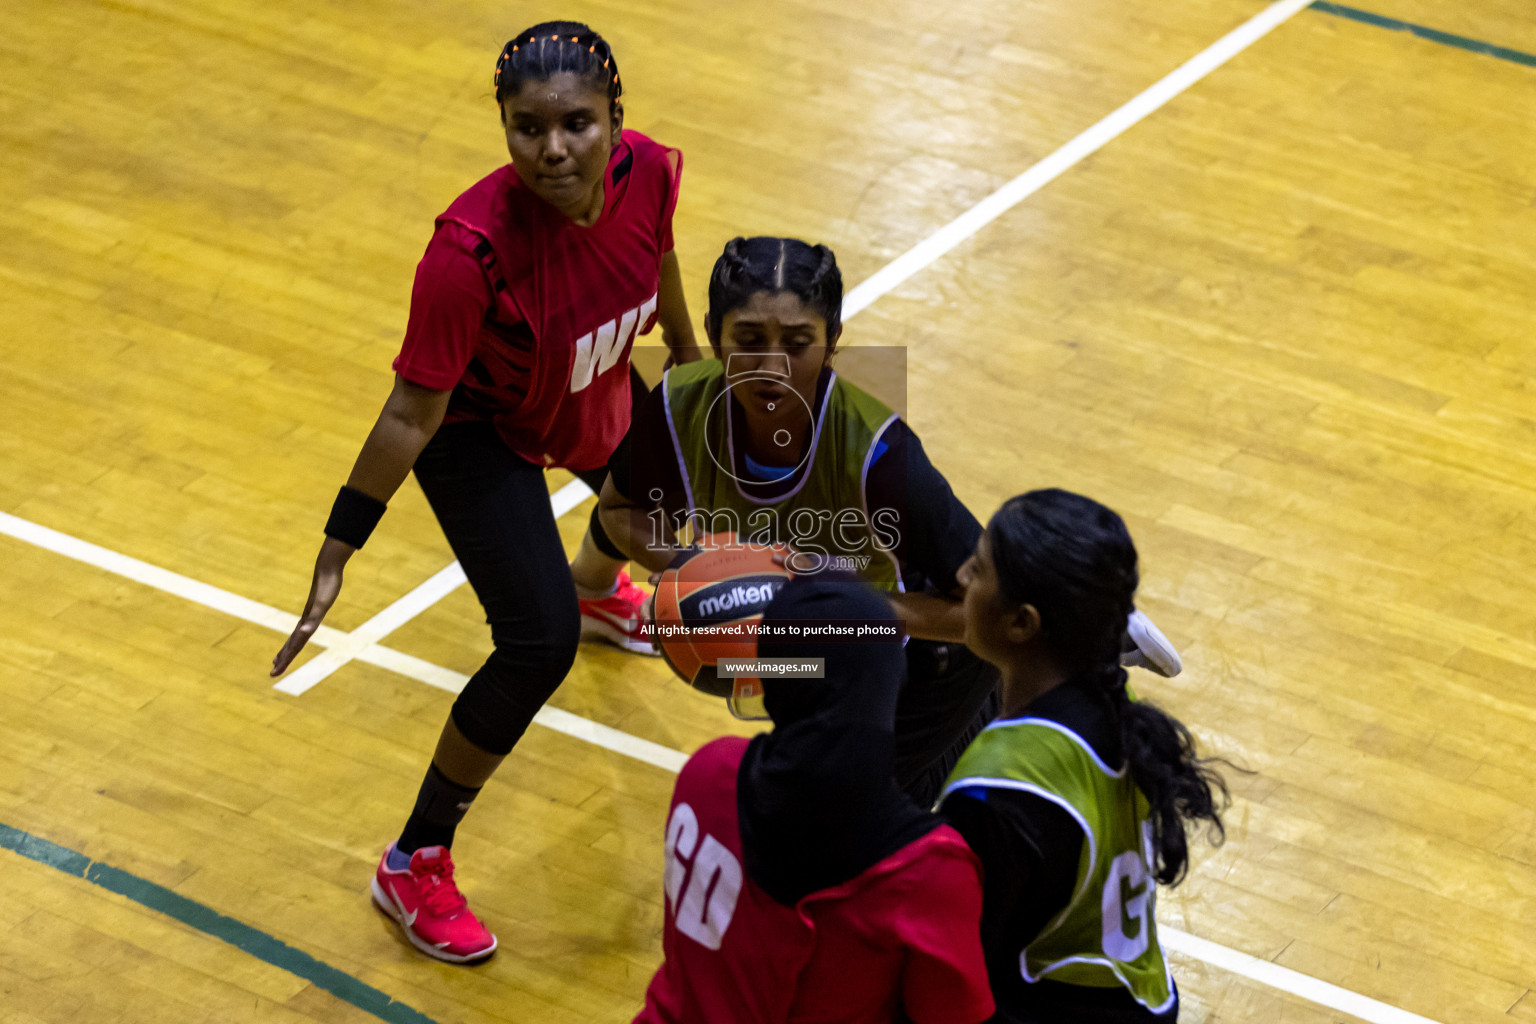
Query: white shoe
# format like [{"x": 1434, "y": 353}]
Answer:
[{"x": 1146, "y": 647}]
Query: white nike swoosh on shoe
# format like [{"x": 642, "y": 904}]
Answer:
[
  {"x": 626, "y": 624},
  {"x": 406, "y": 919}
]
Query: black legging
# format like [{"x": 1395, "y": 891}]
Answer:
[{"x": 494, "y": 509}]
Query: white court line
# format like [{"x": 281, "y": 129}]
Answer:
[
  {"x": 1262, "y": 971},
  {"x": 1286, "y": 980},
  {"x": 437, "y": 587},
  {"x": 160, "y": 579},
  {"x": 245, "y": 609},
  {"x": 973, "y": 220},
  {"x": 583, "y": 729},
  {"x": 1053, "y": 166}
]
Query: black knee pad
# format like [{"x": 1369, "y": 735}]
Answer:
[{"x": 600, "y": 537}]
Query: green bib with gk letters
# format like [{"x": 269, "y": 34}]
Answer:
[{"x": 1107, "y": 934}]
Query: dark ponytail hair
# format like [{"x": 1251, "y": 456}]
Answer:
[
  {"x": 552, "y": 47},
  {"x": 1073, "y": 560},
  {"x": 763, "y": 264}
]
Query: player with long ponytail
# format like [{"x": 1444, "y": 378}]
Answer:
[{"x": 1072, "y": 765}]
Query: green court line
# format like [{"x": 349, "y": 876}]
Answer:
[
  {"x": 205, "y": 919},
  {"x": 1432, "y": 34}
]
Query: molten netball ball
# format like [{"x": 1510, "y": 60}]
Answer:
[{"x": 708, "y": 604}]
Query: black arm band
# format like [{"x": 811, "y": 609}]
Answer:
[{"x": 354, "y": 516}]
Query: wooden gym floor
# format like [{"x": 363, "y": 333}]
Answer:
[{"x": 1283, "y": 324}]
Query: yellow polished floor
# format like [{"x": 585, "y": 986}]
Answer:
[{"x": 1284, "y": 325}]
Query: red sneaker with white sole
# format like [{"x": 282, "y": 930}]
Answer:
[
  {"x": 616, "y": 618},
  {"x": 433, "y": 913}
]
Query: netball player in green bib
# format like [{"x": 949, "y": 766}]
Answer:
[
  {"x": 768, "y": 442},
  {"x": 1077, "y": 797}
]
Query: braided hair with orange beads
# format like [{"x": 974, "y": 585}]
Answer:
[{"x": 553, "y": 47}]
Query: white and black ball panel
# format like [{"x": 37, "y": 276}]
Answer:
[{"x": 730, "y": 600}]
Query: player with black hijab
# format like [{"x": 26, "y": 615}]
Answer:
[{"x": 801, "y": 882}]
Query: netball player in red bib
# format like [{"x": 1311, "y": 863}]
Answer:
[
  {"x": 801, "y": 883},
  {"x": 516, "y": 358}
]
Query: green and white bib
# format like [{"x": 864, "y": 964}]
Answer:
[
  {"x": 1107, "y": 934},
  {"x": 825, "y": 512}
]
